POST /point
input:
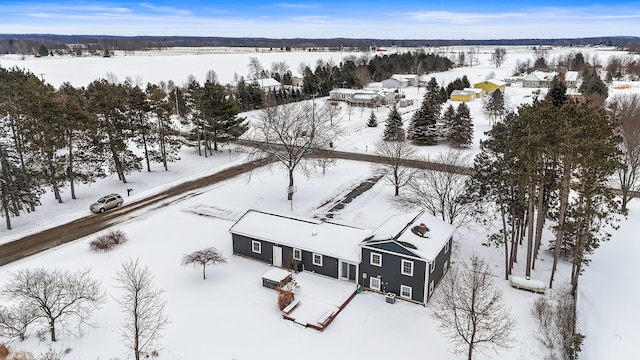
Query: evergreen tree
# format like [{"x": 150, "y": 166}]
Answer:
[
  {"x": 167, "y": 144},
  {"x": 83, "y": 165},
  {"x": 557, "y": 92},
  {"x": 109, "y": 103},
  {"x": 373, "y": 120},
  {"x": 423, "y": 128},
  {"x": 393, "y": 130},
  {"x": 448, "y": 120},
  {"x": 42, "y": 130},
  {"x": 43, "y": 51},
  {"x": 220, "y": 113},
  {"x": 140, "y": 114},
  {"x": 461, "y": 130}
]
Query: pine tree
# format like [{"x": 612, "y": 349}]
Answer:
[
  {"x": 448, "y": 119},
  {"x": 393, "y": 130},
  {"x": 557, "y": 92},
  {"x": 165, "y": 134},
  {"x": 461, "y": 130},
  {"x": 373, "y": 120},
  {"x": 109, "y": 103},
  {"x": 423, "y": 129}
]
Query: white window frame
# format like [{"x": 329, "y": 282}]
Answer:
[
  {"x": 374, "y": 263},
  {"x": 432, "y": 266},
  {"x": 297, "y": 252},
  {"x": 377, "y": 285},
  {"x": 431, "y": 285},
  {"x": 445, "y": 267},
  {"x": 446, "y": 247},
  {"x": 256, "y": 247},
  {"x": 404, "y": 262},
  {"x": 317, "y": 263},
  {"x": 406, "y": 289}
]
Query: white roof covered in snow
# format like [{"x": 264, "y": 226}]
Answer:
[
  {"x": 461, "y": 92},
  {"x": 266, "y": 82},
  {"x": 571, "y": 76},
  {"x": 540, "y": 76},
  {"x": 326, "y": 238},
  {"x": 427, "y": 246}
]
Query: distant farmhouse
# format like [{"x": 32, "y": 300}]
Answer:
[
  {"x": 365, "y": 97},
  {"x": 407, "y": 255},
  {"x": 538, "y": 79}
]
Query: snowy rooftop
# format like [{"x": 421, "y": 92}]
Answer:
[
  {"x": 540, "y": 75},
  {"x": 461, "y": 92},
  {"x": 571, "y": 76},
  {"x": 339, "y": 241},
  {"x": 427, "y": 246}
]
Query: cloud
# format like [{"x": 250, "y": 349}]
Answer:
[{"x": 313, "y": 5}]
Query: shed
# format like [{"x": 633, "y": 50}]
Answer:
[
  {"x": 462, "y": 95},
  {"x": 491, "y": 85},
  {"x": 478, "y": 91}
]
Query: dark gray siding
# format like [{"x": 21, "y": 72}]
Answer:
[
  {"x": 242, "y": 246},
  {"x": 391, "y": 274},
  {"x": 440, "y": 261}
]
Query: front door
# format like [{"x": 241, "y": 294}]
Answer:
[
  {"x": 347, "y": 271},
  {"x": 277, "y": 256}
]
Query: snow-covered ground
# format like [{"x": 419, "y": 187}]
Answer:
[{"x": 230, "y": 315}]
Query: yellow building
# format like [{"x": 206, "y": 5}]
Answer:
[
  {"x": 491, "y": 85},
  {"x": 462, "y": 95}
]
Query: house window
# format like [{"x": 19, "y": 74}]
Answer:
[
  {"x": 374, "y": 283},
  {"x": 432, "y": 266},
  {"x": 407, "y": 267},
  {"x": 256, "y": 247},
  {"x": 376, "y": 259},
  {"x": 297, "y": 254},
  {"x": 446, "y": 247},
  {"x": 317, "y": 259},
  {"x": 406, "y": 291},
  {"x": 430, "y": 288},
  {"x": 445, "y": 267}
]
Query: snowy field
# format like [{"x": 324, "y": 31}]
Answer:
[{"x": 230, "y": 315}]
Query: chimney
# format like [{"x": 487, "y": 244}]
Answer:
[{"x": 422, "y": 229}]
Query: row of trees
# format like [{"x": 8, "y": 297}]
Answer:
[
  {"x": 64, "y": 299},
  {"x": 550, "y": 161},
  {"x": 429, "y": 125},
  {"x": 57, "y": 138},
  {"x": 318, "y": 80}
]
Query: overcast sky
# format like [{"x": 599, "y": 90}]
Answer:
[{"x": 477, "y": 19}]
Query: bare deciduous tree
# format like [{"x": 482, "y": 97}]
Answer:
[
  {"x": 394, "y": 163},
  {"x": 144, "y": 307},
  {"x": 291, "y": 133},
  {"x": 441, "y": 190},
  {"x": 279, "y": 67},
  {"x": 626, "y": 109},
  {"x": 56, "y": 295},
  {"x": 498, "y": 56},
  {"x": 15, "y": 320},
  {"x": 556, "y": 318},
  {"x": 255, "y": 68},
  {"x": 471, "y": 311},
  {"x": 212, "y": 77},
  {"x": 204, "y": 257}
]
